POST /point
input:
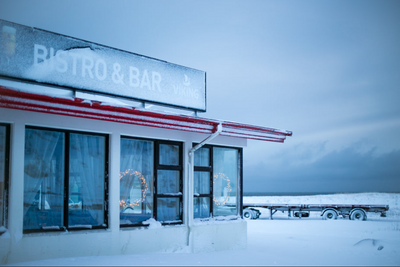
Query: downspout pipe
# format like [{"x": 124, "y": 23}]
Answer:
[
  {"x": 205, "y": 141},
  {"x": 191, "y": 181}
]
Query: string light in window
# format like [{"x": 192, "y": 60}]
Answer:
[
  {"x": 228, "y": 188},
  {"x": 131, "y": 204}
]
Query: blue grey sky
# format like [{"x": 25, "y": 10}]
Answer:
[{"x": 327, "y": 70}]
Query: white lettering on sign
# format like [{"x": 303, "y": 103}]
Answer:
[
  {"x": 136, "y": 81},
  {"x": 186, "y": 91},
  {"x": 103, "y": 74},
  {"x": 145, "y": 80},
  {"x": 134, "y": 76},
  {"x": 74, "y": 60},
  {"x": 40, "y": 54},
  {"x": 87, "y": 66},
  {"x": 62, "y": 65},
  {"x": 156, "y": 80},
  {"x": 92, "y": 66}
]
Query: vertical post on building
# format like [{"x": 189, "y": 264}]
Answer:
[{"x": 189, "y": 187}]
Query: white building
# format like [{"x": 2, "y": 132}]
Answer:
[{"x": 88, "y": 172}]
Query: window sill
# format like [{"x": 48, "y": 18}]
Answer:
[
  {"x": 218, "y": 220},
  {"x": 64, "y": 231}
]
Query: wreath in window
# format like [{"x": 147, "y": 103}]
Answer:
[
  {"x": 228, "y": 188},
  {"x": 143, "y": 185}
]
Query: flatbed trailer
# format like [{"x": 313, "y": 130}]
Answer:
[{"x": 328, "y": 211}]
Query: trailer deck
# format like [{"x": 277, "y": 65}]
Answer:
[{"x": 328, "y": 211}]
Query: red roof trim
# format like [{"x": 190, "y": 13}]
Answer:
[{"x": 96, "y": 110}]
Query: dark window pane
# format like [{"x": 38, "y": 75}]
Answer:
[
  {"x": 201, "y": 207},
  {"x": 3, "y": 138},
  {"x": 168, "y": 181},
  {"x": 201, "y": 182},
  {"x": 43, "y": 179},
  {"x": 86, "y": 180},
  {"x": 168, "y": 209},
  {"x": 136, "y": 179},
  {"x": 202, "y": 157},
  {"x": 225, "y": 166},
  {"x": 169, "y": 154}
]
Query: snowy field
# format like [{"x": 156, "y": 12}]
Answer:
[{"x": 290, "y": 241}]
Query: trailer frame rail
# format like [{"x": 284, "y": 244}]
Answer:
[{"x": 328, "y": 211}]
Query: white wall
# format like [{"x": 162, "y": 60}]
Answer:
[{"x": 17, "y": 247}]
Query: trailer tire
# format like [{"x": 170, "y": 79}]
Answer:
[
  {"x": 329, "y": 215},
  {"x": 358, "y": 215},
  {"x": 248, "y": 214}
]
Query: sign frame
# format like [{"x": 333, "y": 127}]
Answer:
[{"x": 45, "y": 57}]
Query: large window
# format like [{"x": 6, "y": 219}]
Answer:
[
  {"x": 150, "y": 181},
  {"x": 4, "y": 154},
  {"x": 65, "y": 180},
  {"x": 217, "y": 181}
]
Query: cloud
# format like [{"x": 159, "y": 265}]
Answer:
[{"x": 346, "y": 170}]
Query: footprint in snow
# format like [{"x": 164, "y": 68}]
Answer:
[{"x": 369, "y": 242}]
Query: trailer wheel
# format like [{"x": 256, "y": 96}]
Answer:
[
  {"x": 248, "y": 214},
  {"x": 358, "y": 215},
  {"x": 330, "y": 215}
]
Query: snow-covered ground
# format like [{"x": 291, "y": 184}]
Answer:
[{"x": 290, "y": 241}]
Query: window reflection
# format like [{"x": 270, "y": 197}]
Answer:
[
  {"x": 202, "y": 157},
  {"x": 169, "y": 154},
  {"x": 144, "y": 164},
  {"x": 201, "y": 207},
  {"x": 168, "y": 181},
  {"x": 201, "y": 182},
  {"x": 45, "y": 173},
  {"x": 225, "y": 165},
  {"x": 43, "y": 179},
  {"x": 168, "y": 209},
  {"x": 86, "y": 180},
  {"x": 215, "y": 182},
  {"x": 136, "y": 179}
]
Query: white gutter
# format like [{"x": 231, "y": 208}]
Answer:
[
  {"x": 191, "y": 182},
  {"x": 202, "y": 143}
]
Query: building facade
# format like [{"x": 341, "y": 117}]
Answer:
[{"x": 86, "y": 174}]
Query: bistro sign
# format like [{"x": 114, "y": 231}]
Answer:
[{"x": 41, "y": 56}]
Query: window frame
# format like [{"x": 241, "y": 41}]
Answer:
[
  {"x": 66, "y": 189},
  {"x": 151, "y": 182},
  {"x": 210, "y": 169},
  {"x": 156, "y": 167},
  {"x": 4, "y": 222}
]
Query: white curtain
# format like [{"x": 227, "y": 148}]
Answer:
[
  {"x": 169, "y": 154},
  {"x": 168, "y": 209},
  {"x": 225, "y": 167},
  {"x": 168, "y": 183},
  {"x": 202, "y": 179},
  {"x": 202, "y": 157},
  {"x": 202, "y": 183},
  {"x": 136, "y": 176},
  {"x": 201, "y": 186},
  {"x": 43, "y": 184},
  {"x": 87, "y": 170}
]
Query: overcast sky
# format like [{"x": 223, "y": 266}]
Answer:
[{"x": 327, "y": 70}]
